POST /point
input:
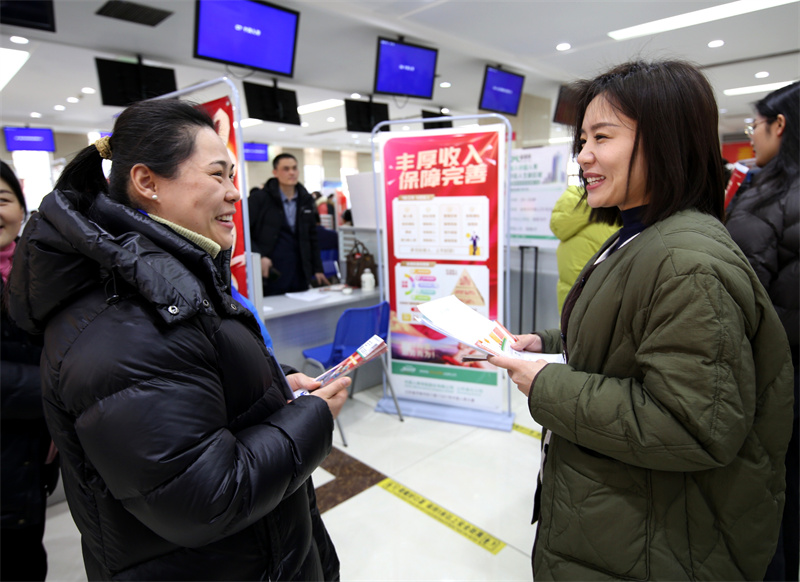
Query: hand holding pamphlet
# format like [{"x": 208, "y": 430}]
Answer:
[
  {"x": 452, "y": 317},
  {"x": 369, "y": 350}
]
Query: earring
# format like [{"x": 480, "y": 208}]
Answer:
[{"x": 154, "y": 196}]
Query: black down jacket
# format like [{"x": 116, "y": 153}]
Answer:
[
  {"x": 25, "y": 440},
  {"x": 766, "y": 225},
  {"x": 180, "y": 458}
]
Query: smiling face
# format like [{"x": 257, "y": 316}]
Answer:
[
  {"x": 202, "y": 196},
  {"x": 607, "y": 138},
  {"x": 11, "y": 215}
]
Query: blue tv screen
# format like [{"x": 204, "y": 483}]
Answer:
[
  {"x": 256, "y": 152},
  {"x": 501, "y": 92},
  {"x": 405, "y": 69},
  {"x": 246, "y": 33},
  {"x": 30, "y": 139}
]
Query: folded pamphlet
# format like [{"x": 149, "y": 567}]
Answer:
[
  {"x": 369, "y": 350},
  {"x": 454, "y": 318}
]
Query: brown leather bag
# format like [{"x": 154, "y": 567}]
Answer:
[{"x": 358, "y": 259}]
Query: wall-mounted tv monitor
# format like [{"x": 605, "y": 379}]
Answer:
[
  {"x": 124, "y": 83},
  {"x": 246, "y": 33},
  {"x": 501, "y": 91},
  {"x": 435, "y": 124},
  {"x": 566, "y": 106},
  {"x": 36, "y": 14},
  {"x": 256, "y": 152},
  {"x": 271, "y": 104},
  {"x": 405, "y": 69},
  {"x": 364, "y": 115},
  {"x": 30, "y": 139}
]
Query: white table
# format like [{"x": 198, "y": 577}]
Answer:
[{"x": 296, "y": 325}]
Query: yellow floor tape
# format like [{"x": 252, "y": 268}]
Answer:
[
  {"x": 462, "y": 526},
  {"x": 528, "y": 431}
]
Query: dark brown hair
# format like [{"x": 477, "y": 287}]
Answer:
[{"x": 677, "y": 121}]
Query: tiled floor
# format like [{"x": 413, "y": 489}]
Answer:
[{"x": 405, "y": 475}]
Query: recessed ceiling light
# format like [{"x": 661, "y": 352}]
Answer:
[
  {"x": 723, "y": 110},
  {"x": 88, "y": 91},
  {"x": 250, "y": 122},
  {"x": 749, "y": 119},
  {"x": 36, "y": 114},
  {"x": 59, "y": 107},
  {"x": 696, "y": 17},
  {"x": 304, "y": 124},
  {"x": 13, "y": 60},
  {"x": 762, "y": 74},
  {"x": 72, "y": 99},
  {"x": 716, "y": 43},
  {"x": 319, "y": 106},
  {"x": 445, "y": 110},
  {"x": 331, "y": 119},
  {"x": 355, "y": 95},
  {"x": 766, "y": 88},
  {"x": 445, "y": 85},
  {"x": 19, "y": 40},
  {"x": 281, "y": 129},
  {"x": 564, "y": 46}
]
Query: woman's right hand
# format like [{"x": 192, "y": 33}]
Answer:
[
  {"x": 530, "y": 342},
  {"x": 334, "y": 394}
]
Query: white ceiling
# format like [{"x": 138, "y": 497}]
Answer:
[{"x": 336, "y": 55}]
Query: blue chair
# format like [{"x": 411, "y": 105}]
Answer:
[
  {"x": 355, "y": 326},
  {"x": 330, "y": 263}
]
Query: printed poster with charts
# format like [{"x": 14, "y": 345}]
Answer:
[
  {"x": 444, "y": 236},
  {"x": 538, "y": 178}
]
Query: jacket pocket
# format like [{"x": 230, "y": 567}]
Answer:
[{"x": 600, "y": 511}]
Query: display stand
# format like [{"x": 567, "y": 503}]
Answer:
[
  {"x": 424, "y": 409},
  {"x": 522, "y": 250}
]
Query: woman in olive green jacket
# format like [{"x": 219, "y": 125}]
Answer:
[
  {"x": 667, "y": 427},
  {"x": 579, "y": 238}
]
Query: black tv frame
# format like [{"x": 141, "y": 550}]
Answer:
[
  {"x": 262, "y": 100},
  {"x": 238, "y": 64},
  {"x": 565, "y": 111},
  {"x": 403, "y": 42},
  {"x": 36, "y": 14},
  {"x": 435, "y": 124},
  {"x": 360, "y": 114},
  {"x": 483, "y": 90},
  {"x": 117, "y": 77}
]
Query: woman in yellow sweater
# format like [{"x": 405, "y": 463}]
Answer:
[{"x": 580, "y": 239}]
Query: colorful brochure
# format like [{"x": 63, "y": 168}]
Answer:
[
  {"x": 452, "y": 317},
  {"x": 369, "y": 350}
]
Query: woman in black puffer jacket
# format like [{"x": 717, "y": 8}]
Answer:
[
  {"x": 29, "y": 471},
  {"x": 180, "y": 456},
  {"x": 764, "y": 221}
]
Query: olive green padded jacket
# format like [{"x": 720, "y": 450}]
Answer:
[{"x": 671, "y": 419}]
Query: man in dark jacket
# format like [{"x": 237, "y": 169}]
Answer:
[{"x": 283, "y": 230}]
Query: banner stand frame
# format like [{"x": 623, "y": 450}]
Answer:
[{"x": 417, "y": 408}]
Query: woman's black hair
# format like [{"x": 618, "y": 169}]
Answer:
[
  {"x": 159, "y": 134},
  {"x": 10, "y": 178},
  {"x": 783, "y": 169},
  {"x": 677, "y": 121}
]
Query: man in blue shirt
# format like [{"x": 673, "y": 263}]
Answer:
[{"x": 283, "y": 230}]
